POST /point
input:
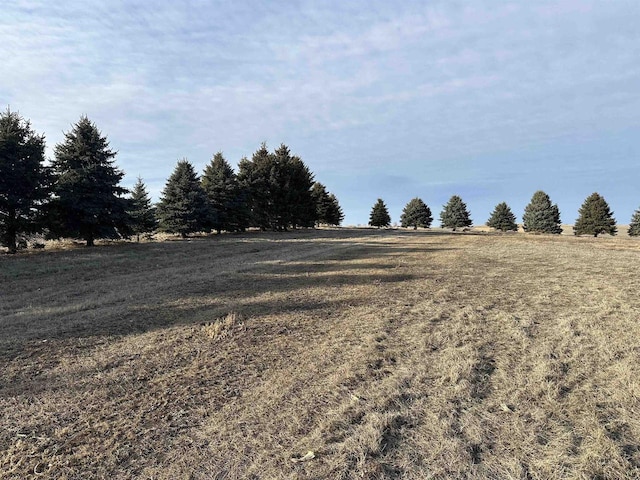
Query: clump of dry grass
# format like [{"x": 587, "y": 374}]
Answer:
[
  {"x": 387, "y": 354},
  {"x": 221, "y": 327}
]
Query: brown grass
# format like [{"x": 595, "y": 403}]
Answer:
[{"x": 388, "y": 354}]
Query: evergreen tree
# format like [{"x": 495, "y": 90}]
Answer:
[
  {"x": 279, "y": 189},
  {"x": 254, "y": 176},
  {"x": 541, "y": 216},
  {"x": 503, "y": 219},
  {"x": 242, "y": 206},
  {"x": 322, "y": 202},
  {"x": 294, "y": 187},
  {"x": 328, "y": 209},
  {"x": 88, "y": 199},
  {"x": 379, "y": 215},
  {"x": 334, "y": 215},
  {"x": 223, "y": 191},
  {"x": 278, "y": 182},
  {"x": 416, "y": 214},
  {"x": 455, "y": 214},
  {"x": 141, "y": 212},
  {"x": 634, "y": 226},
  {"x": 183, "y": 207},
  {"x": 595, "y": 217},
  {"x": 24, "y": 180}
]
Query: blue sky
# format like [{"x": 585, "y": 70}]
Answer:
[{"x": 488, "y": 100}]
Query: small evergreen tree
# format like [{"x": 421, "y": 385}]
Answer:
[
  {"x": 455, "y": 214},
  {"x": 334, "y": 214},
  {"x": 416, "y": 214},
  {"x": 595, "y": 217},
  {"x": 634, "y": 226},
  {"x": 88, "y": 199},
  {"x": 183, "y": 207},
  {"x": 541, "y": 216},
  {"x": 24, "y": 180},
  {"x": 503, "y": 219},
  {"x": 141, "y": 213},
  {"x": 221, "y": 186},
  {"x": 379, "y": 215}
]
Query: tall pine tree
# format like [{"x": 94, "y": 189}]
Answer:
[
  {"x": 634, "y": 226},
  {"x": 379, "y": 216},
  {"x": 183, "y": 207},
  {"x": 221, "y": 186},
  {"x": 242, "y": 208},
  {"x": 278, "y": 184},
  {"x": 455, "y": 214},
  {"x": 503, "y": 219},
  {"x": 254, "y": 177},
  {"x": 290, "y": 184},
  {"x": 24, "y": 180},
  {"x": 279, "y": 189},
  {"x": 88, "y": 199},
  {"x": 541, "y": 216},
  {"x": 141, "y": 212},
  {"x": 595, "y": 217},
  {"x": 300, "y": 206},
  {"x": 416, "y": 214}
]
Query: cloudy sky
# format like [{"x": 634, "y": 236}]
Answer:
[{"x": 488, "y": 100}]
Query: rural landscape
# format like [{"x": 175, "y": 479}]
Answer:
[
  {"x": 385, "y": 353},
  {"x": 362, "y": 240},
  {"x": 233, "y": 330}
]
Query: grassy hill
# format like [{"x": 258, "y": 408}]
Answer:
[{"x": 388, "y": 354}]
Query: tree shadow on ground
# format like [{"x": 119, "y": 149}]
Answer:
[{"x": 133, "y": 288}]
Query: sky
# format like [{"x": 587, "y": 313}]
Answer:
[{"x": 488, "y": 100}]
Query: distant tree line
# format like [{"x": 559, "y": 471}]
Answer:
[
  {"x": 540, "y": 216},
  {"x": 79, "y": 194}
]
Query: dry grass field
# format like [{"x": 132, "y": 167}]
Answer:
[{"x": 388, "y": 354}]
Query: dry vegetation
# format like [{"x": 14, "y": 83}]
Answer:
[{"x": 387, "y": 354}]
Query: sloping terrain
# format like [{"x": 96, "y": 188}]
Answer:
[{"x": 388, "y": 354}]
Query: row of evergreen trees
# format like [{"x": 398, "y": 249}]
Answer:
[
  {"x": 272, "y": 191},
  {"x": 79, "y": 194},
  {"x": 540, "y": 215}
]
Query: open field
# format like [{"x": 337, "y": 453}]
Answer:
[{"x": 389, "y": 354}]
